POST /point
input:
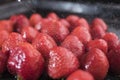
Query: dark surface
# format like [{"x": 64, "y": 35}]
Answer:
[{"x": 110, "y": 13}]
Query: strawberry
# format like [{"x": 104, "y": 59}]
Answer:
[
  {"x": 21, "y": 21},
  {"x": 111, "y": 39},
  {"x": 65, "y": 23},
  {"x": 80, "y": 75},
  {"x": 83, "y": 34},
  {"x": 61, "y": 63},
  {"x": 25, "y": 62},
  {"x": 44, "y": 43},
  {"x": 3, "y": 62},
  {"x": 56, "y": 30},
  {"x": 13, "y": 40},
  {"x": 3, "y": 36},
  {"x": 29, "y": 33},
  {"x": 6, "y": 25},
  {"x": 98, "y": 43},
  {"x": 96, "y": 63},
  {"x": 72, "y": 19},
  {"x": 114, "y": 59},
  {"x": 99, "y": 22},
  {"x": 52, "y": 16},
  {"x": 83, "y": 23},
  {"x": 73, "y": 44},
  {"x": 97, "y": 32},
  {"x": 34, "y": 19}
]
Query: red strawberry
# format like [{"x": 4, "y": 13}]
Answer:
[
  {"x": 61, "y": 63},
  {"x": 80, "y": 75},
  {"x": 83, "y": 23},
  {"x": 56, "y": 30},
  {"x": 72, "y": 19},
  {"x": 29, "y": 33},
  {"x": 97, "y": 32},
  {"x": 44, "y": 43},
  {"x": 22, "y": 21},
  {"x": 96, "y": 63},
  {"x": 111, "y": 39},
  {"x": 98, "y": 43},
  {"x": 52, "y": 16},
  {"x": 99, "y": 22},
  {"x": 65, "y": 23},
  {"x": 114, "y": 59},
  {"x": 72, "y": 43},
  {"x": 13, "y": 40},
  {"x": 83, "y": 34},
  {"x": 3, "y": 36},
  {"x": 35, "y": 18},
  {"x": 3, "y": 62},
  {"x": 26, "y": 62},
  {"x": 13, "y": 19},
  {"x": 6, "y": 25}
]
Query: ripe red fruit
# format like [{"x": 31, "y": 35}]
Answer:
[
  {"x": 44, "y": 43},
  {"x": 73, "y": 44},
  {"x": 111, "y": 39},
  {"x": 35, "y": 18},
  {"x": 61, "y": 63},
  {"x": 29, "y": 33},
  {"x": 52, "y": 16},
  {"x": 82, "y": 33},
  {"x": 22, "y": 21},
  {"x": 65, "y": 23},
  {"x": 6, "y": 25},
  {"x": 83, "y": 23},
  {"x": 41, "y": 23},
  {"x": 3, "y": 62},
  {"x": 114, "y": 59},
  {"x": 26, "y": 62},
  {"x": 56, "y": 30},
  {"x": 97, "y": 32},
  {"x": 13, "y": 40},
  {"x": 96, "y": 63},
  {"x": 80, "y": 75},
  {"x": 3, "y": 36},
  {"x": 72, "y": 19},
  {"x": 99, "y": 22},
  {"x": 98, "y": 43}
]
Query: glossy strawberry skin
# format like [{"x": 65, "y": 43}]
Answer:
[
  {"x": 3, "y": 62},
  {"x": 83, "y": 23},
  {"x": 34, "y": 19},
  {"x": 56, "y": 30},
  {"x": 6, "y": 25},
  {"x": 73, "y": 44},
  {"x": 100, "y": 22},
  {"x": 114, "y": 59},
  {"x": 13, "y": 40},
  {"x": 83, "y": 34},
  {"x": 29, "y": 33},
  {"x": 52, "y": 16},
  {"x": 98, "y": 43},
  {"x": 61, "y": 63},
  {"x": 97, "y": 32},
  {"x": 96, "y": 63},
  {"x": 72, "y": 19},
  {"x": 3, "y": 36},
  {"x": 111, "y": 39},
  {"x": 80, "y": 75},
  {"x": 26, "y": 62},
  {"x": 44, "y": 43},
  {"x": 65, "y": 23},
  {"x": 21, "y": 21}
]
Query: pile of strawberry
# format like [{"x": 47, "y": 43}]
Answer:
[{"x": 58, "y": 48}]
